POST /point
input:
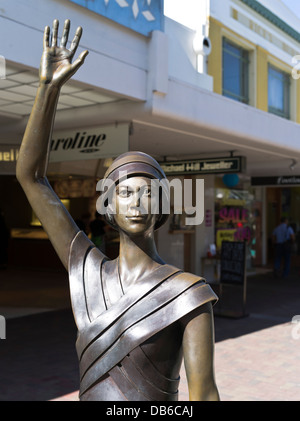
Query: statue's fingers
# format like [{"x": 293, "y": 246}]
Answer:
[
  {"x": 54, "y": 33},
  {"x": 78, "y": 62},
  {"x": 76, "y": 40},
  {"x": 65, "y": 34},
  {"x": 46, "y": 37}
]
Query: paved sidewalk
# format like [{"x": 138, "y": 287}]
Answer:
[
  {"x": 261, "y": 366},
  {"x": 257, "y": 358}
]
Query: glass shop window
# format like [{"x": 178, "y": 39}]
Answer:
[
  {"x": 238, "y": 218},
  {"x": 235, "y": 72}
]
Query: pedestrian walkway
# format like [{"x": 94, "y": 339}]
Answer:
[
  {"x": 260, "y": 366},
  {"x": 257, "y": 357}
]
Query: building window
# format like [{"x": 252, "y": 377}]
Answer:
[
  {"x": 235, "y": 72},
  {"x": 278, "y": 92}
]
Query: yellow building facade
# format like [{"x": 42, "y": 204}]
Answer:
[{"x": 260, "y": 45}]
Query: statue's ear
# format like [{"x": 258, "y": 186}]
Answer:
[{"x": 109, "y": 215}]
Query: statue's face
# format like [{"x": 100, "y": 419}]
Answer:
[{"x": 133, "y": 206}]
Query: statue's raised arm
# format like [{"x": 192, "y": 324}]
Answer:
[
  {"x": 137, "y": 317},
  {"x": 55, "y": 69}
]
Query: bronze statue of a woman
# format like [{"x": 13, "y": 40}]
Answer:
[{"x": 137, "y": 317}]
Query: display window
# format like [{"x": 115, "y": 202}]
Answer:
[{"x": 238, "y": 218}]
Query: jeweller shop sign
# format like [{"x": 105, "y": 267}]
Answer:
[
  {"x": 89, "y": 143},
  {"x": 143, "y": 16},
  {"x": 205, "y": 166}
]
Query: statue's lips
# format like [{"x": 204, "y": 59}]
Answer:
[{"x": 136, "y": 217}]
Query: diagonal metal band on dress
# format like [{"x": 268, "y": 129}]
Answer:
[
  {"x": 126, "y": 302},
  {"x": 109, "y": 337},
  {"x": 144, "y": 329},
  {"x": 166, "y": 292},
  {"x": 135, "y": 384},
  {"x": 80, "y": 247},
  {"x": 150, "y": 372},
  {"x": 84, "y": 274}
]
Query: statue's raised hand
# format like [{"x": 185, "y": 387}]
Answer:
[{"x": 56, "y": 63}]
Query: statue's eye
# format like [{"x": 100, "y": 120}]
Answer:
[
  {"x": 123, "y": 192},
  {"x": 147, "y": 191}
]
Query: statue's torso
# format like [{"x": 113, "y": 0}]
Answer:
[
  {"x": 162, "y": 351},
  {"x": 129, "y": 344}
]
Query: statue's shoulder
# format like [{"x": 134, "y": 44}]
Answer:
[
  {"x": 187, "y": 277},
  {"x": 197, "y": 285},
  {"x": 81, "y": 247}
]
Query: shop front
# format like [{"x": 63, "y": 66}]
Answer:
[
  {"x": 232, "y": 210},
  {"x": 282, "y": 200},
  {"x": 78, "y": 158},
  {"x": 238, "y": 216},
  {"x": 228, "y": 208}
]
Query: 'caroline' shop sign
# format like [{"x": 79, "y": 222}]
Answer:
[{"x": 90, "y": 143}]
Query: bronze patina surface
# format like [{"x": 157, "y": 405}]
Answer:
[{"x": 137, "y": 316}]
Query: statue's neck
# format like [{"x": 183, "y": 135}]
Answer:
[{"x": 138, "y": 257}]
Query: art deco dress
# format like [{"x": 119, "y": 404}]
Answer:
[{"x": 114, "y": 328}]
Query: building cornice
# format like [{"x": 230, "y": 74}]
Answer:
[{"x": 274, "y": 19}]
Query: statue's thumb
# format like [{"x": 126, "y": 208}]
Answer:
[{"x": 78, "y": 62}]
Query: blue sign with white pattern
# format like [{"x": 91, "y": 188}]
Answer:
[{"x": 142, "y": 16}]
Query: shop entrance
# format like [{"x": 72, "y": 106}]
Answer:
[
  {"x": 282, "y": 201},
  {"x": 238, "y": 217}
]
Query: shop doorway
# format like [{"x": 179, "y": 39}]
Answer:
[{"x": 283, "y": 201}]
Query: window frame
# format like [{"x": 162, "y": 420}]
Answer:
[
  {"x": 244, "y": 62},
  {"x": 286, "y": 111}
]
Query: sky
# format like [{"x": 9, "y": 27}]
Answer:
[
  {"x": 186, "y": 11},
  {"x": 294, "y": 5}
]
